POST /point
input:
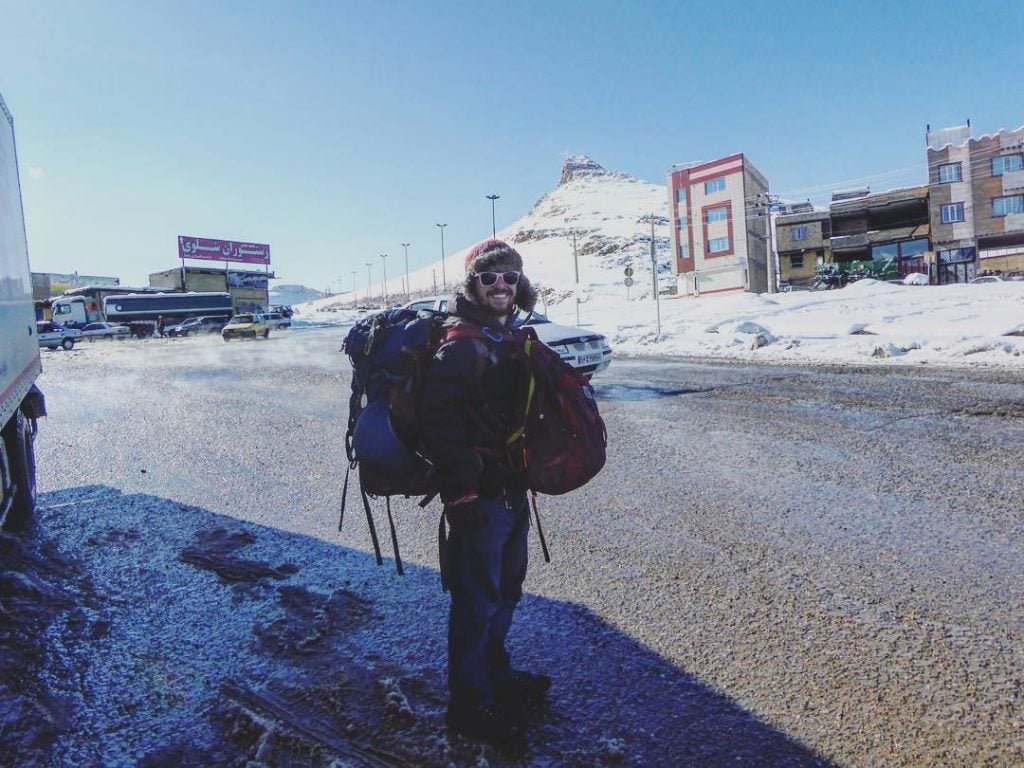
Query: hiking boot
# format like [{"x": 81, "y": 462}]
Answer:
[
  {"x": 526, "y": 689},
  {"x": 490, "y": 723}
]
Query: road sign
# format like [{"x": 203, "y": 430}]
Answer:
[
  {"x": 629, "y": 271},
  {"x": 628, "y": 281}
]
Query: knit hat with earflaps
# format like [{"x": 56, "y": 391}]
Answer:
[
  {"x": 483, "y": 257},
  {"x": 498, "y": 256}
]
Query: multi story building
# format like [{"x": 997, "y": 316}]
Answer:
[
  {"x": 890, "y": 226},
  {"x": 720, "y": 226},
  {"x": 802, "y": 242},
  {"x": 977, "y": 201}
]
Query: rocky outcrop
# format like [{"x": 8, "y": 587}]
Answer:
[{"x": 579, "y": 167}]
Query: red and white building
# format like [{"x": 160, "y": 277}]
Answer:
[{"x": 719, "y": 215}]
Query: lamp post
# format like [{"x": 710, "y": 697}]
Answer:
[
  {"x": 492, "y": 198},
  {"x": 355, "y": 298},
  {"x": 384, "y": 281},
  {"x": 444, "y": 277},
  {"x": 407, "y": 291},
  {"x": 369, "y": 280}
]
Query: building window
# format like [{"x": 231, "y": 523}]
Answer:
[
  {"x": 721, "y": 213},
  {"x": 796, "y": 262},
  {"x": 798, "y": 233},
  {"x": 684, "y": 222},
  {"x": 1005, "y": 163},
  {"x": 681, "y": 195},
  {"x": 884, "y": 252},
  {"x": 950, "y": 172},
  {"x": 714, "y": 185},
  {"x": 913, "y": 248},
  {"x": 684, "y": 251},
  {"x": 718, "y": 244},
  {"x": 952, "y": 212},
  {"x": 955, "y": 255},
  {"x": 1004, "y": 206}
]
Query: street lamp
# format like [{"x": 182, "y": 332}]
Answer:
[
  {"x": 369, "y": 279},
  {"x": 444, "y": 278},
  {"x": 407, "y": 291},
  {"x": 384, "y": 282},
  {"x": 355, "y": 297},
  {"x": 492, "y": 198}
]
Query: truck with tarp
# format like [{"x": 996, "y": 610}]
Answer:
[
  {"x": 21, "y": 402},
  {"x": 141, "y": 311}
]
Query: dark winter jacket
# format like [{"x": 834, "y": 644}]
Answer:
[{"x": 473, "y": 398}]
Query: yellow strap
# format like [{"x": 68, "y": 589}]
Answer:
[{"x": 529, "y": 398}]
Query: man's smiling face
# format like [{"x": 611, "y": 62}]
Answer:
[{"x": 498, "y": 298}]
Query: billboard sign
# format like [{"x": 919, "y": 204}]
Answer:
[
  {"x": 222, "y": 250},
  {"x": 257, "y": 280}
]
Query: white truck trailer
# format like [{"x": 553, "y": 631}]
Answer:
[{"x": 21, "y": 402}]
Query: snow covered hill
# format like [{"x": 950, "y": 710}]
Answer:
[{"x": 609, "y": 213}]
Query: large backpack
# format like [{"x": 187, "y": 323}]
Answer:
[
  {"x": 389, "y": 352},
  {"x": 562, "y": 443},
  {"x": 559, "y": 447}
]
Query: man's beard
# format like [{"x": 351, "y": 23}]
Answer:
[{"x": 484, "y": 304}]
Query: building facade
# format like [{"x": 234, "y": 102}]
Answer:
[
  {"x": 249, "y": 289},
  {"x": 719, "y": 226},
  {"x": 891, "y": 226},
  {"x": 977, "y": 202},
  {"x": 802, "y": 242}
]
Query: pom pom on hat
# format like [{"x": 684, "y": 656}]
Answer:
[{"x": 485, "y": 256}]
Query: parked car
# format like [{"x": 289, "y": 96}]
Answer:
[
  {"x": 277, "y": 320},
  {"x": 987, "y": 279},
  {"x": 93, "y": 331},
  {"x": 249, "y": 325},
  {"x": 52, "y": 335},
  {"x": 586, "y": 351},
  {"x": 196, "y": 325}
]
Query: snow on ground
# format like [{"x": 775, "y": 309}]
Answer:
[
  {"x": 600, "y": 221},
  {"x": 866, "y": 322}
]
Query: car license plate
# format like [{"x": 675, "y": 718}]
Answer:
[{"x": 591, "y": 359}]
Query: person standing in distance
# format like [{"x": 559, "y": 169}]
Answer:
[{"x": 473, "y": 398}]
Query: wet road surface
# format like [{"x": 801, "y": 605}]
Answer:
[{"x": 778, "y": 566}]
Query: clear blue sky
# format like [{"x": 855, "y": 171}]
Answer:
[{"x": 335, "y": 131}]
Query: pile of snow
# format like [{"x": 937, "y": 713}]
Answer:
[{"x": 866, "y": 322}]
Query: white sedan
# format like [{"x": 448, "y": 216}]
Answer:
[
  {"x": 52, "y": 335},
  {"x": 94, "y": 331},
  {"x": 586, "y": 351}
]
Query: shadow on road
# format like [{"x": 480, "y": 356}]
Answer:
[{"x": 165, "y": 634}]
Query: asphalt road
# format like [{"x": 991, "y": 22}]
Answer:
[{"x": 778, "y": 566}]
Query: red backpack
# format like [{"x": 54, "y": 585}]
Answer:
[{"x": 561, "y": 445}]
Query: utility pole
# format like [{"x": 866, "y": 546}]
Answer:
[
  {"x": 355, "y": 298},
  {"x": 576, "y": 268},
  {"x": 492, "y": 198},
  {"x": 654, "y": 271},
  {"x": 369, "y": 279},
  {"x": 444, "y": 277},
  {"x": 771, "y": 203},
  {"x": 384, "y": 281},
  {"x": 407, "y": 289}
]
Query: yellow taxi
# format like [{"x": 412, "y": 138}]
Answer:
[{"x": 246, "y": 325}]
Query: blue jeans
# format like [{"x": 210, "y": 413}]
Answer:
[{"x": 487, "y": 556}]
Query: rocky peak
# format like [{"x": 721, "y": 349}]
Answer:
[{"x": 579, "y": 166}]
